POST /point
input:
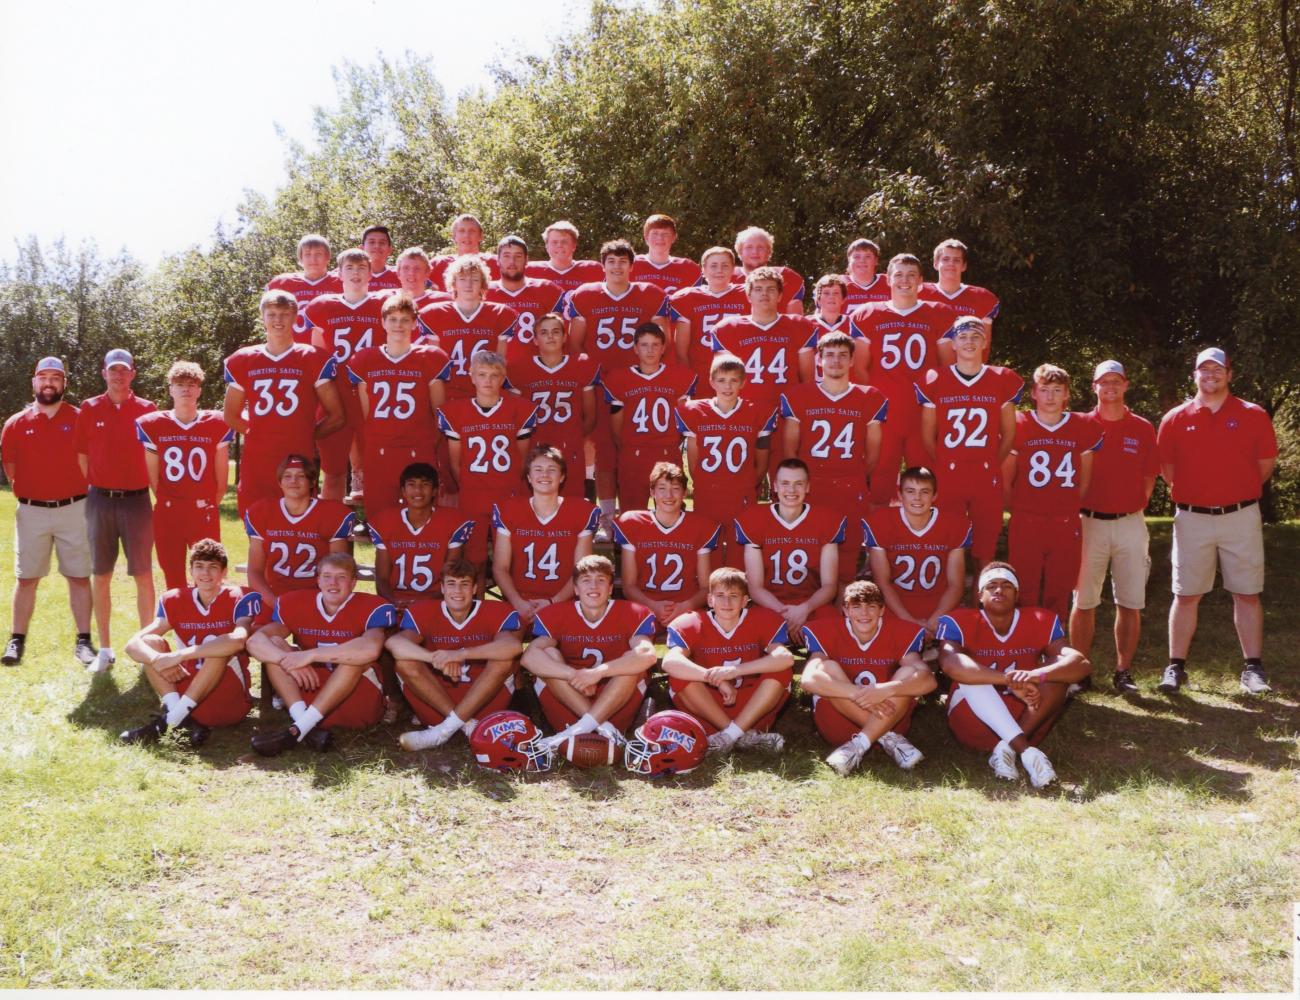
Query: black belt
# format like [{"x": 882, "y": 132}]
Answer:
[
  {"x": 53, "y": 503},
  {"x": 118, "y": 494},
  {"x": 1231, "y": 508},
  {"x": 1097, "y": 515}
]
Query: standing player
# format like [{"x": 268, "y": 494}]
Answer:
[
  {"x": 413, "y": 542},
  {"x": 917, "y": 552},
  {"x": 727, "y": 447},
  {"x": 205, "y": 682},
  {"x": 834, "y": 427},
  {"x": 538, "y": 539},
  {"x": 467, "y": 324},
  {"x": 754, "y": 249},
  {"x": 730, "y": 667},
  {"x": 456, "y": 658},
  {"x": 865, "y": 283},
  {"x": 902, "y": 338},
  {"x": 969, "y": 300},
  {"x": 1047, "y": 472},
  {"x": 791, "y": 549},
  {"x": 561, "y": 242},
  {"x": 696, "y": 311},
  {"x": 377, "y": 243},
  {"x": 400, "y": 387},
  {"x": 289, "y": 536},
  {"x": 1114, "y": 530},
  {"x": 591, "y": 657},
  {"x": 272, "y": 391},
  {"x": 530, "y": 298},
  {"x": 314, "y": 279},
  {"x": 657, "y": 266},
  {"x": 641, "y": 399},
  {"x": 413, "y": 272},
  {"x": 865, "y": 674},
  {"x": 328, "y": 675},
  {"x": 1012, "y": 671},
  {"x": 467, "y": 241},
  {"x": 968, "y": 425},
  {"x": 666, "y": 551},
  {"x": 186, "y": 452}
]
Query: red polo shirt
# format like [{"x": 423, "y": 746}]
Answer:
[
  {"x": 1215, "y": 456},
  {"x": 1126, "y": 457},
  {"x": 43, "y": 453},
  {"x": 106, "y": 436}
]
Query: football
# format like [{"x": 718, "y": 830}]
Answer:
[{"x": 591, "y": 750}]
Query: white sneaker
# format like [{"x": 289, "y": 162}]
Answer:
[
  {"x": 277, "y": 703},
  {"x": 767, "y": 742},
  {"x": 469, "y": 727},
  {"x": 423, "y": 739},
  {"x": 610, "y": 731},
  {"x": 103, "y": 661},
  {"x": 720, "y": 742},
  {"x": 846, "y": 757},
  {"x": 1038, "y": 767},
  {"x": 604, "y": 533},
  {"x": 904, "y": 753},
  {"x": 1003, "y": 762}
]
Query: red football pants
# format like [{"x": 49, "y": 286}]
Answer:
[
  {"x": 1045, "y": 551},
  {"x": 974, "y": 489},
  {"x": 178, "y": 524},
  {"x": 384, "y": 464}
]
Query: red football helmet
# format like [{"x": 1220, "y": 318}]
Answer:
[
  {"x": 508, "y": 741},
  {"x": 668, "y": 742}
]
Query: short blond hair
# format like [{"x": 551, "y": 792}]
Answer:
[
  {"x": 466, "y": 264},
  {"x": 561, "y": 226},
  {"x": 714, "y": 251},
  {"x": 749, "y": 232}
]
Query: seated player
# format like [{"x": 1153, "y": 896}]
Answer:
[
  {"x": 865, "y": 674},
  {"x": 456, "y": 658},
  {"x": 730, "y": 667},
  {"x": 865, "y": 283},
  {"x": 641, "y": 400},
  {"x": 657, "y": 266},
  {"x": 590, "y": 657},
  {"x": 754, "y": 249},
  {"x": 288, "y": 537},
  {"x": 917, "y": 552},
  {"x": 696, "y": 311},
  {"x": 414, "y": 541},
  {"x": 538, "y": 539},
  {"x": 329, "y": 674},
  {"x": 530, "y": 298},
  {"x": 1012, "y": 671},
  {"x": 791, "y": 549},
  {"x": 205, "y": 682},
  {"x": 666, "y": 551},
  {"x": 314, "y": 279}
]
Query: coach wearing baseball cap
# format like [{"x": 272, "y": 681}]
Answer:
[
  {"x": 117, "y": 506},
  {"x": 1216, "y": 452},
  {"x": 40, "y": 459}
]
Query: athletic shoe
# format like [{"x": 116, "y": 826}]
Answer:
[
  {"x": 104, "y": 661},
  {"x": 1003, "y": 762},
  {"x": 904, "y": 753},
  {"x": 84, "y": 652},
  {"x": 1124, "y": 683},
  {"x": 604, "y": 531},
  {"x": 610, "y": 731},
  {"x": 422, "y": 739},
  {"x": 767, "y": 742},
  {"x": 354, "y": 498},
  {"x": 1173, "y": 678},
  {"x": 469, "y": 727},
  {"x": 319, "y": 739},
  {"x": 1078, "y": 687},
  {"x": 276, "y": 742},
  {"x": 845, "y": 757},
  {"x": 1038, "y": 767},
  {"x": 390, "y": 711},
  {"x": 13, "y": 652},
  {"x": 199, "y": 733},
  {"x": 148, "y": 733},
  {"x": 277, "y": 703},
  {"x": 1253, "y": 681},
  {"x": 720, "y": 742}
]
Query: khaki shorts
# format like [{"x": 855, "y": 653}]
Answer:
[
  {"x": 1235, "y": 541},
  {"x": 1121, "y": 545},
  {"x": 37, "y": 530}
]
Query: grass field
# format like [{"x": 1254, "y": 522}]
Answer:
[{"x": 1166, "y": 858}]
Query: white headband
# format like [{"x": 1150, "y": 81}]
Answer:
[{"x": 998, "y": 573}]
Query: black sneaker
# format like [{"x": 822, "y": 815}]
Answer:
[
  {"x": 276, "y": 742},
  {"x": 199, "y": 733},
  {"x": 1173, "y": 678},
  {"x": 319, "y": 739},
  {"x": 1124, "y": 683},
  {"x": 14, "y": 651},
  {"x": 148, "y": 733},
  {"x": 1253, "y": 681},
  {"x": 85, "y": 653}
]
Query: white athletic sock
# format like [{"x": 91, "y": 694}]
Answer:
[
  {"x": 296, "y": 710},
  {"x": 177, "y": 713},
  {"x": 991, "y": 710},
  {"x": 308, "y": 721},
  {"x": 589, "y": 472},
  {"x": 862, "y": 740},
  {"x": 586, "y": 724},
  {"x": 733, "y": 731},
  {"x": 170, "y": 701},
  {"x": 450, "y": 724}
]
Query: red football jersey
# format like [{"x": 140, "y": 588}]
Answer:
[
  {"x": 677, "y": 272},
  {"x": 463, "y": 336},
  {"x": 557, "y": 393},
  {"x": 704, "y": 309},
  {"x": 612, "y": 320},
  {"x": 542, "y": 552},
  {"x": 726, "y": 444},
  {"x": 304, "y": 290},
  {"x": 968, "y": 410},
  {"x": 833, "y": 429},
  {"x": 438, "y": 267},
  {"x": 903, "y": 346},
  {"x": 647, "y": 402},
  {"x": 418, "y": 554},
  {"x": 791, "y": 284},
  {"x": 187, "y": 453},
  {"x": 666, "y": 557},
  {"x": 589, "y": 644},
  {"x": 870, "y": 662},
  {"x": 530, "y": 303},
  {"x": 438, "y": 630},
  {"x": 698, "y": 634},
  {"x": 1032, "y": 631},
  {"x": 281, "y": 391},
  {"x": 825, "y": 329},
  {"x": 1047, "y": 462},
  {"x": 303, "y": 613},
  {"x": 194, "y": 624},
  {"x": 770, "y": 353},
  {"x": 918, "y": 560},
  {"x": 792, "y": 553},
  {"x": 401, "y": 413},
  {"x": 968, "y": 300},
  {"x": 1127, "y": 456},
  {"x": 384, "y": 281},
  {"x": 294, "y": 545},
  {"x": 487, "y": 457},
  {"x": 580, "y": 272},
  {"x": 349, "y": 326},
  {"x": 860, "y": 295}
]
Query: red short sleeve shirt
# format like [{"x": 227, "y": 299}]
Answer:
[
  {"x": 43, "y": 452},
  {"x": 1215, "y": 456},
  {"x": 1127, "y": 456},
  {"x": 106, "y": 435}
]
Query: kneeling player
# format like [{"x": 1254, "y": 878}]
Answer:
[
  {"x": 729, "y": 666},
  {"x": 204, "y": 683},
  {"x": 865, "y": 673},
  {"x": 455, "y": 657},
  {"x": 1009, "y": 705},
  {"x": 330, "y": 678},
  {"x": 612, "y": 644}
]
